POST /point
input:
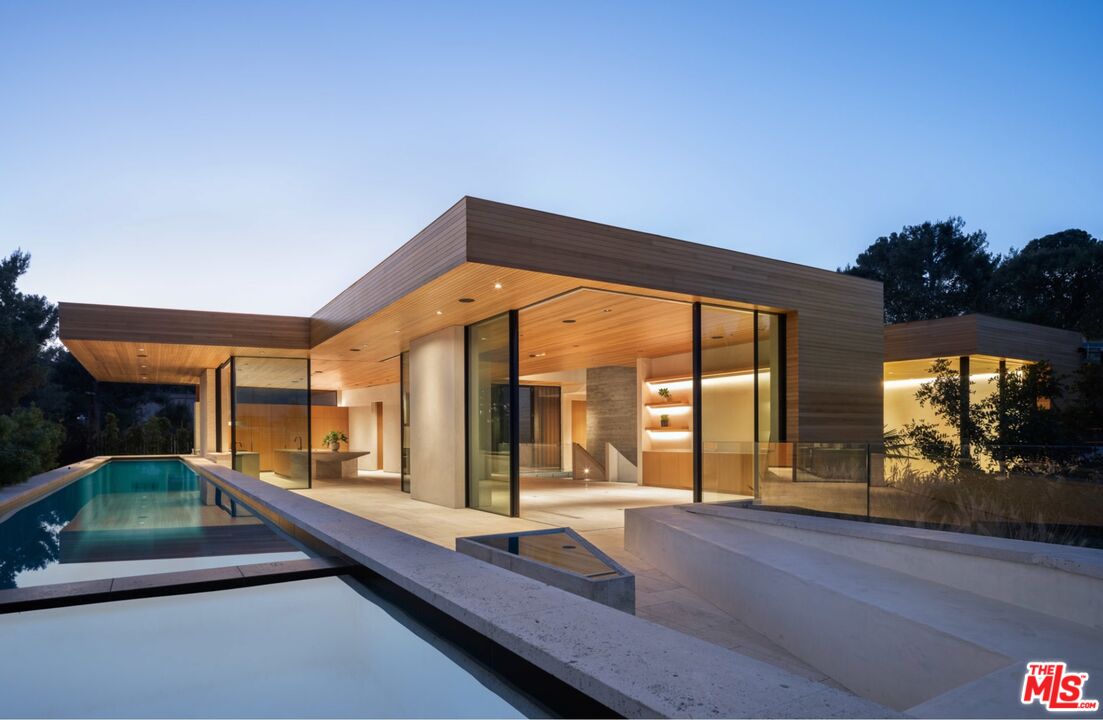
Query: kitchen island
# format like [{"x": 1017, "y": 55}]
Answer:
[{"x": 328, "y": 465}]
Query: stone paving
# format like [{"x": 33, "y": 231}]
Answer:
[{"x": 595, "y": 510}]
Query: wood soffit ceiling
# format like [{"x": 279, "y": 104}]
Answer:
[{"x": 366, "y": 354}]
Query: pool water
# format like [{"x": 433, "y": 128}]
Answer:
[
  {"x": 322, "y": 648},
  {"x": 132, "y": 517}
]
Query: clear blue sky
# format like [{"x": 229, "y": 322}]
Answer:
[{"x": 261, "y": 156}]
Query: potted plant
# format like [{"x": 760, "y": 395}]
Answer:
[
  {"x": 664, "y": 421},
  {"x": 664, "y": 393},
  {"x": 334, "y": 438}
]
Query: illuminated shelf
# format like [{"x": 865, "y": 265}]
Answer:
[
  {"x": 667, "y": 430},
  {"x": 667, "y": 406},
  {"x": 688, "y": 378}
]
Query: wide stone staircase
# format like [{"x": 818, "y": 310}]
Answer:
[{"x": 894, "y": 635}]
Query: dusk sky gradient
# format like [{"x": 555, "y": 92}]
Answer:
[{"x": 261, "y": 156}]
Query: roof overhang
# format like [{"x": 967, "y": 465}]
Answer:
[
  {"x": 982, "y": 335},
  {"x": 475, "y": 261},
  {"x": 131, "y": 344}
]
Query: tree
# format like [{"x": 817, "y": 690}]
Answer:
[
  {"x": 1084, "y": 407},
  {"x": 28, "y": 444},
  {"x": 27, "y": 323},
  {"x": 929, "y": 271},
  {"x": 1023, "y": 420},
  {"x": 1055, "y": 280},
  {"x": 942, "y": 394}
]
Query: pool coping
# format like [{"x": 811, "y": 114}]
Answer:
[
  {"x": 14, "y": 498},
  {"x": 632, "y": 666}
]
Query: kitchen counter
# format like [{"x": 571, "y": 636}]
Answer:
[{"x": 328, "y": 465}]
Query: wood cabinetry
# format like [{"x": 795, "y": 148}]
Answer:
[
  {"x": 668, "y": 468},
  {"x": 265, "y": 428}
]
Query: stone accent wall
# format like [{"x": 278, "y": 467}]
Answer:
[{"x": 611, "y": 410}]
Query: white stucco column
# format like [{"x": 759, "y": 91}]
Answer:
[
  {"x": 437, "y": 458},
  {"x": 206, "y": 420}
]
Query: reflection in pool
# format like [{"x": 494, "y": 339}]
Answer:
[
  {"x": 132, "y": 517},
  {"x": 312, "y": 648}
]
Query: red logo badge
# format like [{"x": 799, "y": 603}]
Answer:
[{"x": 1052, "y": 685}]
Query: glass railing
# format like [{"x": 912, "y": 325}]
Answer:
[{"x": 1042, "y": 493}]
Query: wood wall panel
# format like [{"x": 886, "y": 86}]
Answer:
[
  {"x": 668, "y": 468},
  {"x": 835, "y": 327},
  {"x": 324, "y": 418},
  {"x": 266, "y": 427}
]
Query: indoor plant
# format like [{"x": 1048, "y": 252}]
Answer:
[
  {"x": 664, "y": 393},
  {"x": 664, "y": 421},
  {"x": 334, "y": 438}
]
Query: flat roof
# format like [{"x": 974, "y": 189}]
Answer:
[
  {"x": 978, "y": 334},
  {"x": 478, "y": 259}
]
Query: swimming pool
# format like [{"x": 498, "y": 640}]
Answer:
[
  {"x": 350, "y": 644},
  {"x": 132, "y": 517},
  {"x": 328, "y": 647}
]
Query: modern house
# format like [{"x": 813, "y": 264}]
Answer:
[
  {"x": 502, "y": 345},
  {"x": 505, "y": 359}
]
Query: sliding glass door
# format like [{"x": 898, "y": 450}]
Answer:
[
  {"x": 741, "y": 397},
  {"x": 404, "y": 391},
  {"x": 492, "y": 432}
]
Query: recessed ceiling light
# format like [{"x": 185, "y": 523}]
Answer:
[
  {"x": 140, "y": 355},
  {"x": 608, "y": 310},
  {"x": 717, "y": 337},
  {"x": 354, "y": 349},
  {"x": 497, "y": 286},
  {"x": 536, "y": 355},
  {"x": 440, "y": 312},
  {"x": 568, "y": 322},
  {"x": 467, "y": 300}
]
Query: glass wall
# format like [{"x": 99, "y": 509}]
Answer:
[
  {"x": 540, "y": 425},
  {"x": 404, "y": 390},
  {"x": 225, "y": 428},
  {"x": 771, "y": 454},
  {"x": 489, "y": 438},
  {"x": 742, "y": 400},
  {"x": 272, "y": 419},
  {"x": 727, "y": 403}
]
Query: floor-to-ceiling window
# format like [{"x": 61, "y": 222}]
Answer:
[
  {"x": 272, "y": 427},
  {"x": 491, "y": 474},
  {"x": 404, "y": 400},
  {"x": 741, "y": 399},
  {"x": 772, "y": 454},
  {"x": 540, "y": 425},
  {"x": 727, "y": 403},
  {"x": 224, "y": 430}
]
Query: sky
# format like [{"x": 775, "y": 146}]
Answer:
[{"x": 261, "y": 156}]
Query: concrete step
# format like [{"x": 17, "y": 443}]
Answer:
[{"x": 891, "y": 637}]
